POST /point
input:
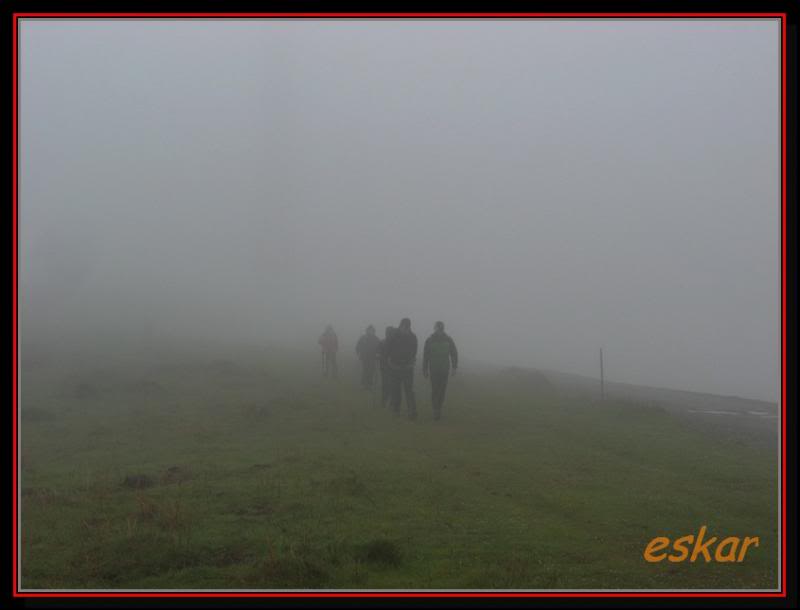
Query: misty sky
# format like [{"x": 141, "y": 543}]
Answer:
[{"x": 545, "y": 187}]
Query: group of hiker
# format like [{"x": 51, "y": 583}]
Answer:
[{"x": 395, "y": 358}]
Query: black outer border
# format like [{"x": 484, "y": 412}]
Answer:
[{"x": 789, "y": 7}]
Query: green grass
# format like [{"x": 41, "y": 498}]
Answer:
[{"x": 261, "y": 475}]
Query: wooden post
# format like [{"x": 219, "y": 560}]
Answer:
[{"x": 602, "y": 378}]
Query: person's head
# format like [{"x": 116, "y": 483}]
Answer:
[
  {"x": 329, "y": 329},
  {"x": 438, "y": 327},
  {"x": 390, "y": 331},
  {"x": 370, "y": 330},
  {"x": 405, "y": 325}
]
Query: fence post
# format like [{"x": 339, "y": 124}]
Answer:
[{"x": 602, "y": 378}]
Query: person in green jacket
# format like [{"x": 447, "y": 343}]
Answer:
[{"x": 438, "y": 353}]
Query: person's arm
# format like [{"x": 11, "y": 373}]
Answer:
[
  {"x": 359, "y": 345},
  {"x": 453, "y": 355},
  {"x": 426, "y": 356}
]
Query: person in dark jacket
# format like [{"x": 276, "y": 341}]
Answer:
[
  {"x": 386, "y": 378},
  {"x": 330, "y": 345},
  {"x": 401, "y": 355},
  {"x": 366, "y": 349},
  {"x": 439, "y": 351}
]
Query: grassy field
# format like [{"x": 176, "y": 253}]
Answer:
[{"x": 248, "y": 471}]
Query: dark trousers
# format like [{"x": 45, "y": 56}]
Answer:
[
  {"x": 403, "y": 383},
  {"x": 367, "y": 372},
  {"x": 438, "y": 389},
  {"x": 329, "y": 364}
]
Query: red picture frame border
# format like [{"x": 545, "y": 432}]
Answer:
[{"x": 16, "y": 593}]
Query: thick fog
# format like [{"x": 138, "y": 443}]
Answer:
[{"x": 543, "y": 187}]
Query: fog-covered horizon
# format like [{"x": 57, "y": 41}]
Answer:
[{"x": 544, "y": 187}]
